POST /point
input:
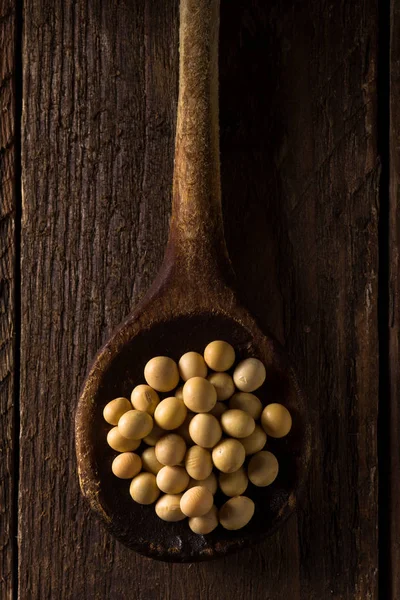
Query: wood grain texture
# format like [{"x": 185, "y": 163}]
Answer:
[
  {"x": 393, "y": 468},
  {"x": 196, "y": 221},
  {"x": 300, "y": 195},
  {"x": 7, "y": 292}
]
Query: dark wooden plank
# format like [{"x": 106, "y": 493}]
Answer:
[
  {"x": 300, "y": 189},
  {"x": 393, "y": 421},
  {"x": 299, "y": 152},
  {"x": 7, "y": 291}
]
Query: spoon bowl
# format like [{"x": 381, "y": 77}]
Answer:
[
  {"x": 119, "y": 367},
  {"x": 191, "y": 303}
]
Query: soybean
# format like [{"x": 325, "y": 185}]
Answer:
[
  {"x": 237, "y": 423},
  {"x": 236, "y": 513},
  {"x": 172, "y": 480},
  {"x": 161, "y": 373},
  {"x": 247, "y": 402},
  {"x": 170, "y": 449},
  {"x": 199, "y": 395},
  {"x": 143, "y": 397},
  {"x": 205, "y": 524},
  {"x": 255, "y": 441},
  {"x": 170, "y": 413},
  {"x": 233, "y": 484},
  {"x": 126, "y": 465},
  {"x": 228, "y": 456},
  {"x": 249, "y": 375},
  {"x": 205, "y": 430},
  {"x": 276, "y": 420},
  {"x": 135, "y": 424},
  {"x": 219, "y": 355},
  {"x": 114, "y": 410},
  {"x": 168, "y": 508},
  {"x": 143, "y": 488},
  {"x": 223, "y": 384},
  {"x": 263, "y": 468},
  {"x": 196, "y": 502},
  {"x": 191, "y": 365},
  {"x": 150, "y": 462},
  {"x": 198, "y": 462},
  {"x": 117, "y": 442}
]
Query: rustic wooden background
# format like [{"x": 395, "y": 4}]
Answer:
[{"x": 88, "y": 94}]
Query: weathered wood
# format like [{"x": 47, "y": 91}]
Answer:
[
  {"x": 7, "y": 292},
  {"x": 308, "y": 175},
  {"x": 299, "y": 186},
  {"x": 392, "y": 517},
  {"x": 196, "y": 239}
]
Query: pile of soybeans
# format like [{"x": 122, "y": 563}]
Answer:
[{"x": 209, "y": 433}]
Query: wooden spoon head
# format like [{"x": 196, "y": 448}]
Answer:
[{"x": 157, "y": 329}]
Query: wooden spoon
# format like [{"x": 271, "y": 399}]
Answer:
[{"x": 191, "y": 303}]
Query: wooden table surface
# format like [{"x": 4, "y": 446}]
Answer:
[{"x": 310, "y": 161}]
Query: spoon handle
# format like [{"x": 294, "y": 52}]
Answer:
[{"x": 196, "y": 240}]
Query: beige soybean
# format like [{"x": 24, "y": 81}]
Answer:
[
  {"x": 223, "y": 384},
  {"x": 247, "y": 402},
  {"x": 197, "y": 501},
  {"x": 276, "y": 420},
  {"x": 249, "y": 375},
  {"x": 236, "y": 513},
  {"x": 135, "y": 424},
  {"x": 183, "y": 430},
  {"x": 228, "y": 456},
  {"x": 143, "y": 488},
  {"x": 198, "y": 462},
  {"x": 155, "y": 434},
  {"x": 233, "y": 484},
  {"x": 199, "y": 395},
  {"x": 218, "y": 409},
  {"x": 237, "y": 423},
  {"x": 210, "y": 483},
  {"x": 263, "y": 468},
  {"x": 205, "y": 430},
  {"x": 161, "y": 373},
  {"x": 172, "y": 480},
  {"x": 205, "y": 524},
  {"x": 114, "y": 410},
  {"x": 150, "y": 462},
  {"x": 168, "y": 508},
  {"x": 143, "y": 397},
  {"x": 255, "y": 441},
  {"x": 170, "y": 413},
  {"x": 117, "y": 442},
  {"x": 219, "y": 355},
  {"x": 170, "y": 450},
  {"x": 191, "y": 365},
  {"x": 126, "y": 465},
  {"x": 179, "y": 392}
]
